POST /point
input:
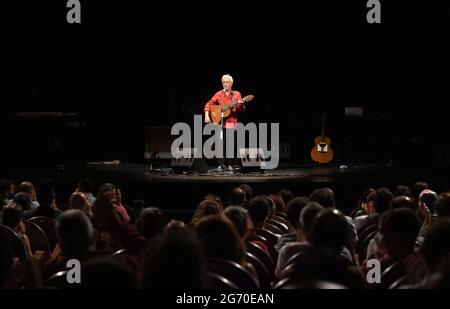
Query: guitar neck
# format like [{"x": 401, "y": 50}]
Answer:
[{"x": 225, "y": 108}]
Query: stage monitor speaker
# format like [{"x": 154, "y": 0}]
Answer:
[
  {"x": 185, "y": 161},
  {"x": 251, "y": 159},
  {"x": 158, "y": 140}
]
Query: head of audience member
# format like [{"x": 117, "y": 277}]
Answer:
[
  {"x": 175, "y": 225},
  {"x": 23, "y": 199},
  {"x": 366, "y": 197},
  {"x": 205, "y": 208},
  {"x": 306, "y": 219},
  {"x": 238, "y": 216},
  {"x": 220, "y": 239},
  {"x": 436, "y": 244},
  {"x": 248, "y": 191},
  {"x": 238, "y": 197},
  {"x": 279, "y": 203},
  {"x": 105, "y": 187},
  {"x": 293, "y": 209},
  {"x": 417, "y": 188},
  {"x": 443, "y": 205},
  {"x": 151, "y": 222},
  {"x": 106, "y": 273},
  {"x": 397, "y": 233},
  {"x": 286, "y": 195},
  {"x": 259, "y": 209},
  {"x": 440, "y": 279},
  {"x": 329, "y": 229},
  {"x": 85, "y": 185},
  {"x": 429, "y": 199},
  {"x": 28, "y": 188},
  {"x": 6, "y": 191},
  {"x": 75, "y": 232},
  {"x": 174, "y": 260},
  {"x": 45, "y": 192},
  {"x": 323, "y": 196},
  {"x": 381, "y": 200},
  {"x": 272, "y": 207},
  {"x": 364, "y": 205},
  {"x": 215, "y": 198},
  {"x": 402, "y": 201},
  {"x": 402, "y": 190},
  {"x": 111, "y": 188},
  {"x": 318, "y": 263},
  {"x": 78, "y": 201},
  {"x": 137, "y": 206},
  {"x": 12, "y": 215}
]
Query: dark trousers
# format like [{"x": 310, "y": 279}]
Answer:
[{"x": 229, "y": 144}]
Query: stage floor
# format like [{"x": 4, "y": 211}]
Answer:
[
  {"x": 286, "y": 173},
  {"x": 178, "y": 194}
]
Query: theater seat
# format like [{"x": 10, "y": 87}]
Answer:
[
  {"x": 48, "y": 226},
  {"x": 216, "y": 281},
  {"x": 17, "y": 244},
  {"x": 38, "y": 238},
  {"x": 233, "y": 272}
]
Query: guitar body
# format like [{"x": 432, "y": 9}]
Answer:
[
  {"x": 216, "y": 113},
  {"x": 225, "y": 108},
  {"x": 322, "y": 152}
]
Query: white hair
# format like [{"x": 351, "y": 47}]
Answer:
[
  {"x": 228, "y": 76},
  {"x": 74, "y": 229}
]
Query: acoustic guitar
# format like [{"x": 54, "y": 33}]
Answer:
[
  {"x": 225, "y": 109},
  {"x": 322, "y": 152}
]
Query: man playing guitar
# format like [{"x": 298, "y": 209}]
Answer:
[{"x": 224, "y": 98}]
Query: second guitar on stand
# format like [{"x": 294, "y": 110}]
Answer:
[{"x": 322, "y": 152}]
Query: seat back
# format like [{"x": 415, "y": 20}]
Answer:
[
  {"x": 361, "y": 248},
  {"x": 48, "y": 226},
  {"x": 233, "y": 272},
  {"x": 285, "y": 273},
  {"x": 17, "y": 244},
  {"x": 59, "y": 281},
  {"x": 280, "y": 219},
  {"x": 38, "y": 238},
  {"x": 281, "y": 215},
  {"x": 264, "y": 277},
  {"x": 273, "y": 228},
  {"x": 371, "y": 220},
  {"x": 271, "y": 237},
  {"x": 294, "y": 259},
  {"x": 399, "y": 282},
  {"x": 216, "y": 281},
  {"x": 262, "y": 256},
  {"x": 281, "y": 283},
  {"x": 368, "y": 230},
  {"x": 284, "y": 228},
  {"x": 391, "y": 274}
]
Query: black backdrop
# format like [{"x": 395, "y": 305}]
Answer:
[{"x": 131, "y": 64}]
